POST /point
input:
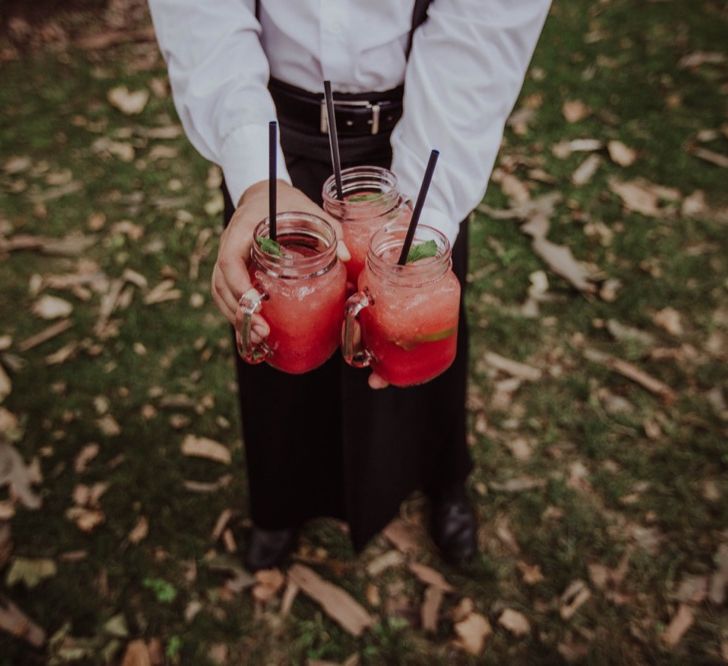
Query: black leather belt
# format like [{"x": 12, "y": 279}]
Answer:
[{"x": 356, "y": 114}]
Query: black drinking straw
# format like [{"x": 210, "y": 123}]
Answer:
[
  {"x": 333, "y": 140},
  {"x": 272, "y": 153},
  {"x": 418, "y": 207}
]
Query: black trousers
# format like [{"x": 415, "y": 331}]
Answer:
[{"x": 324, "y": 443}]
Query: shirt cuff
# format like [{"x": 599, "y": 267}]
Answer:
[
  {"x": 244, "y": 159},
  {"x": 433, "y": 217}
]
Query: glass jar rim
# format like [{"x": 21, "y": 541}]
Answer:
[
  {"x": 291, "y": 223},
  {"x": 378, "y": 180},
  {"x": 416, "y": 274}
]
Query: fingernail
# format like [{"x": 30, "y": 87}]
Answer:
[{"x": 343, "y": 251}]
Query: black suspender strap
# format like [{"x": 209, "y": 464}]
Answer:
[{"x": 419, "y": 16}]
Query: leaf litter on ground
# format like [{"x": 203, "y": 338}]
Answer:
[
  {"x": 336, "y": 602},
  {"x": 203, "y": 447}
]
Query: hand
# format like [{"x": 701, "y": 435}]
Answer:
[
  {"x": 376, "y": 382},
  {"x": 230, "y": 279}
]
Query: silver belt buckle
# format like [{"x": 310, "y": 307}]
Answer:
[{"x": 374, "y": 122}]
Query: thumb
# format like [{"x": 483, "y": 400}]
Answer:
[{"x": 376, "y": 382}]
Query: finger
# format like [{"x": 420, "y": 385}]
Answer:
[
  {"x": 376, "y": 382},
  {"x": 231, "y": 262},
  {"x": 224, "y": 298},
  {"x": 222, "y": 306},
  {"x": 342, "y": 251},
  {"x": 259, "y": 329}
]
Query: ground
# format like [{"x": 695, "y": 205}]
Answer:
[{"x": 601, "y": 461}]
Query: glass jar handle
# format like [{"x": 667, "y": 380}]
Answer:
[
  {"x": 251, "y": 302},
  {"x": 351, "y": 345}
]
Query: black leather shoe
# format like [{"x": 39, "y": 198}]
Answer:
[
  {"x": 454, "y": 528},
  {"x": 268, "y": 548}
]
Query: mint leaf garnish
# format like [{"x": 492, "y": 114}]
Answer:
[
  {"x": 269, "y": 246},
  {"x": 422, "y": 251},
  {"x": 427, "y": 337},
  {"x": 364, "y": 196}
]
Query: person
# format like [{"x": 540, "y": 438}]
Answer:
[{"x": 407, "y": 77}]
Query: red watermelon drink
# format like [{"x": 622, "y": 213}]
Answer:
[
  {"x": 299, "y": 287},
  {"x": 407, "y": 316},
  {"x": 371, "y": 200}
]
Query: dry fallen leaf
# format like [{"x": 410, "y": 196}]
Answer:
[
  {"x": 698, "y": 58},
  {"x": 391, "y": 558},
  {"x": 514, "y": 622},
  {"x": 162, "y": 293},
  {"x": 464, "y": 608},
  {"x": 18, "y": 624},
  {"x": 573, "y": 652},
  {"x": 6, "y": 544},
  {"x": 575, "y": 110},
  {"x": 472, "y": 633},
  {"x": 71, "y": 245},
  {"x": 85, "y": 456},
  {"x": 221, "y": 523},
  {"x": 6, "y": 386},
  {"x": 643, "y": 197},
  {"x": 17, "y": 164},
  {"x": 694, "y": 204},
  {"x": 680, "y": 623},
  {"x": 621, "y": 154},
  {"x": 13, "y": 471},
  {"x": 337, "y": 603},
  {"x": 669, "y": 319},
  {"x": 136, "y": 654},
  {"x": 631, "y": 371},
  {"x": 719, "y": 579},
  {"x": 517, "y": 484},
  {"x": 531, "y": 573},
  {"x": 610, "y": 289},
  {"x": 573, "y": 598},
  {"x": 429, "y": 576},
  {"x": 692, "y": 589},
  {"x": 201, "y": 487},
  {"x": 52, "y": 307},
  {"x": 626, "y": 333},
  {"x": 289, "y": 596},
  {"x": 46, "y": 334},
  {"x": 512, "y": 368},
  {"x": 519, "y": 447},
  {"x": 30, "y": 571},
  {"x": 514, "y": 189},
  {"x": 202, "y": 447},
  {"x": 711, "y": 156},
  {"x": 139, "y": 531},
  {"x": 269, "y": 582},
  {"x": 430, "y": 611},
  {"x": 109, "y": 426},
  {"x": 599, "y": 575},
  {"x": 564, "y": 148},
  {"x": 560, "y": 259},
  {"x": 403, "y": 536},
  {"x": 586, "y": 170},
  {"x": 128, "y": 102}
]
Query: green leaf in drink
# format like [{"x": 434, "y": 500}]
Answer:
[
  {"x": 436, "y": 336},
  {"x": 269, "y": 246},
  {"x": 363, "y": 196},
  {"x": 422, "y": 251}
]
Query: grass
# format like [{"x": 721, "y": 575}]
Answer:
[{"x": 580, "y": 418}]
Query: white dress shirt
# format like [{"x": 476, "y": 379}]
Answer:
[{"x": 461, "y": 81}]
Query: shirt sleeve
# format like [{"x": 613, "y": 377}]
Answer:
[
  {"x": 463, "y": 77},
  {"x": 219, "y": 74}
]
